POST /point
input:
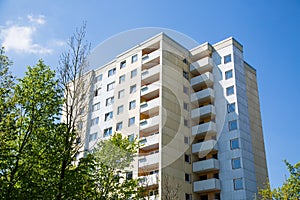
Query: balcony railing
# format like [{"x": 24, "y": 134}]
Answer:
[
  {"x": 150, "y": 105},
  {"x": 203, "y": 95},
  {"x": 203, "y": 112},
  {"x": 204, "y": 129},
  {"x": 150, "y": 75},
  {"x": 201, "y": 80},
  {"x": 201, "y": 66},
  {"x": 148, "y": 160},
  {"x": 206, "y": 165},
  {"x": 202, "y": 148},
  {"x": 150, "y": 124},
  {"x": 149, "y": 142},
  {"x": 207, "y": 185},
  {"x": 149, "y": 180},
  {"x": 149, "y": 57},
  {"x": 151, "y": 90}
]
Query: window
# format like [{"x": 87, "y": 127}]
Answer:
[
  {"x": 132, "y": 104},
  {"x": 187, "y": 177},
  {"x": 186, "y": 106},
  {"x": 188, "y": 196},
  {"x": 187, "y": 158},
  {"x": 230, "y": 90},
  {"x": 119, "y": 126},
  {"x": 204, "y": 197},
  {"x": 238, "y": 184},
  {"x": 215, "y": 155},
  {"x": 217, "y": 196},
  {"x": 131, "y": 138},
  {"x": 122, "y": 79},
  {"x": 228, "y": 74},
  {"x": 110, "y": 86},
  {"x": 133, "y": 73},
  {"x": 120, "y": 109},
  {"x": 134, "y": 58},
  {"x": 96, "y": 107},
  {"x": 121, "y": 94},
  {"x": 110, "y": 101},
  {"x": 107, "y": 132},
  {"x": 128, "y": 175},
  {"x": 186, "y": 122},
  {"x": 186, "y": 140},
  {"x": 97, "y": 91},
  {"x": 98, "y": 78},
  {"x": 131, "y": 121},
  {"x": 185, "y": 75},
  {"x": 94, "y": 121},
  {"x": 123, "y": 64},
  {"x": 231, "y": 107},
  {"x": 234, "y": 143},
  {"x": 236, "y": 163},
  {"x": 93, "y": 137},
  {"x": 111, "y": 72},
  {"x": 132, "y": 89},
  {"x": 185, "y": 90},
  {"x": 227, "y": 58},
  {"x": 216, "y": 175},
  {"x": 108, "y": 116},
  {"x": 232, "y": 125}
]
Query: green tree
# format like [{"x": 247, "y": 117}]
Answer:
[{"x": 290, "y": 190}]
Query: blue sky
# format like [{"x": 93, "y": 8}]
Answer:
[{"x": 269, "y": 31}]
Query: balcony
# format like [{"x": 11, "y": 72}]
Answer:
[
  {"x": 201, "y": 66},
  {"x": 203, "y": 112},
  {"x": 149, "y": 125},
  {"x": 150, "y": 142},
  {"x": 150, "y": 75},
  {"x": 148, "y": 60},
  {"x": 150, "y": 91},
  {"x": 206, "y": 79},
  {"x": 209, "y": 185},
  {"x": 149, "y": 160},
  {"x": 151, "y": 106},
  {"x": 203, "y": 95},
  {"x": 206, "y": 165},
  {"x": 204, "y": 129},
  {"x": 203, "y": 148},
  {"x": 149, "y": 180}
]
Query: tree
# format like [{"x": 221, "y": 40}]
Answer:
[
  {"x": 170, "y": 188},
  {"x": 290, "y": 188},
  {"x": 111, "y": 180},
  {"x": 30, "y": 120}
]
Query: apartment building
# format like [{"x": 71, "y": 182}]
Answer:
[{"x": 196, "y": 112}]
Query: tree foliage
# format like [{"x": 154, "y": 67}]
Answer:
[{"x": 290, "y": 188}]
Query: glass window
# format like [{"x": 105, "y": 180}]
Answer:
[
  {"x": 185, "y": 106},
  {"x": 134, "y": 58},
  {"x": 185, "y": 75},
  {"x": 236, "y": 163},
  {"x": 110, "y": 101},
  {"x": 108, "y": 116},
  {"x": 107, "y": 132},
  {"x": 186, "y": 140},
  {"x": 94, "y": 121},
  {"x": 98, "y": 78},
  {"x": 187, "y": 177},
  {"x": 185, "y": 90},
  {"x": 228, "y": 74},
  {"x": 131, "y": 137},
  {"x": 122, "y": 79},
  {"x": 123, "y": 64},
  {"x": 121, "y": 94},
  {"x": 96, "y": 107},
  {"x": 232, "y": 125},
  {"x": 231, "y": 107},
  {"x": 132, "y": 89},
  {"x": 120, "y": 109},
  {"x": 97, "y": 91},
  {"x": 227, "y": 58},
  {"x": 132, "y": 104},
  {"x": 188, "y": 196},
  {"x": 119, "y": 126},
  {"x": 131, "y": 121},
  {"x": 230, "y": 90},
  {"x": 111, "y": 72},
  {"x": 133, "y": 73},
  {"x": 234, "y": 143},
  {"x": 93, "y": 137},
  {"x": 128, "y": 175},
  {"x": 110, "y": 86},
  {"x": 186, "y": 122},
  {"x": 187, "y": 158},
  {"x": 238, "y": 184}
]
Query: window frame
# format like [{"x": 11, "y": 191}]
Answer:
[
  {"x": 228, "y": 74},
  {"x": 134, "y": 58},
  {"x": 230, "y": 90},
  {"x": 227, "y": 58},
  {"x": 231, "y": 126},
  {"x": 130, "y": 104},
  {"x": 236, "y": 163},
  {"x": 133, "y": 73}
]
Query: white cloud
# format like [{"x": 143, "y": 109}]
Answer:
[
  {"x": 19, "y": 38},
  {"x": 40, "y": 19}
]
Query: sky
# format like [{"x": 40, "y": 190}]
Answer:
[{"x": 269, "y": 31}]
